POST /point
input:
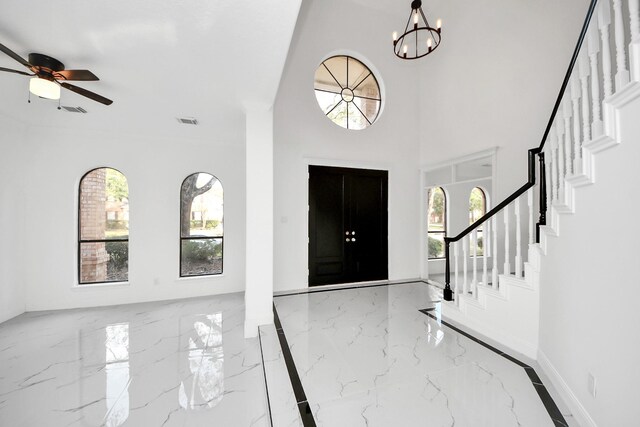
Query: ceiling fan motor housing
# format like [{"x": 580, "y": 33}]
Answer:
[{"x": 46, "y": 64}]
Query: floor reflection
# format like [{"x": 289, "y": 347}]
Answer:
[
  {"x": 117, "y": 374},
  {"x": 203, "y": 371}
]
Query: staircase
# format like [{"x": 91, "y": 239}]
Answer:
[{"x": 497, "y": 293}]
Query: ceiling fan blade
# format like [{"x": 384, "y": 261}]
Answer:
[
  {"x": 84, "y": 75},
  {"x": 9, "y": 70},
  {"x": 15, "y": 56},
  {"x": 87, "y": 93}
]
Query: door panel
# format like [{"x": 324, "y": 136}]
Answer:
[
  {"x": 326, "y": 222},
  {"x": 345, "y": 201}
]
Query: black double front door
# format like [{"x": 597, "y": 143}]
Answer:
[{"x": 347, "y": 225}]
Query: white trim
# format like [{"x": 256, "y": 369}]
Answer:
[
  {"x": 577, "y": 410},
  {"x": 198, "y": 278},
  {"x": 466, "y": 181},
  {"x": 77, "y": 286},
  {"x": 462, "y": 159}
]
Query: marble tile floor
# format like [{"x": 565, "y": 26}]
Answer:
[
  {"x": 177, "y": 363},
  {"x": 365, "y": 357},
  {"x": 368, "y": 357}
]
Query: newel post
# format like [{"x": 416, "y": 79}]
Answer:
[
  {"x": 543, "y": 196},
  {"x": 447, "y": 293}
]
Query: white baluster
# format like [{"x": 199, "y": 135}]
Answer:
[
  {"x": 531, "y": 220},
  {"x": 465, "y": 258},
  {"x": 561, "y": 171},
  {"x": 518, "y": 259},
  {"x": 604, "y": 20},
  {"x": 494, "y": 246},
  {"x": 566, "y": 109},
  {"x": 584, "y": 70},
  {"x": 474, "y": 252},
  {"x": 455, "y": 269},
  {"x": 622, "y": 73},
  {"x": 634, "y": 48},
  {"x": 485, "y": 250},
  {"x": 594, "y": 48},
  {"x": 575, "y": 102},
  {"x": 507, "y": 266}
]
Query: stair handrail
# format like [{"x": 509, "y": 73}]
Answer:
[{"x": 531, "y": 181}]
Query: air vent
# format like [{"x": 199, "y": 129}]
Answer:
[
  {"x": 188, "y": 120},
  {"x": 74, "y": 109}
]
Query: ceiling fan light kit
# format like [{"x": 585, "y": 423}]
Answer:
[
  {"x": 44, "y": 88},
  {"x": 48, "y": 75}
]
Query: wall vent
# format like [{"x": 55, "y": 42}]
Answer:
[
  {"x": 188, "y": 120},
  {"x": 74, "y": 109}
]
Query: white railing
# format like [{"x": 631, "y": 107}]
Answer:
[{"x": 579, "y": 121}]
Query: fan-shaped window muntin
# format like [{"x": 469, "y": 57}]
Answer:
[
  {"x": 436, "y": 222},
  {"x": 103, "y": 227},
  {"x": 201, "y": 225},
  {"x": 347, "y": 92}
]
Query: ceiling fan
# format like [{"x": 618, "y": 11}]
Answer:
[{"x": 49, "y": 75}]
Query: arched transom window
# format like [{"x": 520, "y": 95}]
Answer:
[
  {"x": 103, "y": 227},
  {"x": 201, "y": 225}
]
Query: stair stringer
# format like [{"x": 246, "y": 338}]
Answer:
[
  {"x": 493, "y": 312},
  {"x": 586, "y": 171}
]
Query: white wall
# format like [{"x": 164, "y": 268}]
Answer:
[
  {"x": 589, "y": 286},
  {"x": 493, "y": 80},
  {"x": 155, "y": 168},
  {"x": 303, "y": 135},
  {"x": 12, "y": 209}
]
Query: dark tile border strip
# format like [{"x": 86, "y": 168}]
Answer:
[
  {"x": 545, "y": 397},
  {"x": 264, "y": 372},
  {"x": 301, "y": 398},
  {"x": 348, "y": 288}
]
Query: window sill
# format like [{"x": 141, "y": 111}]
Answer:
[
  {"x": 78, "y": 287},
  {"x": 198, "y": 278}
]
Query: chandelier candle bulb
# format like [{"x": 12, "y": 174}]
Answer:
[
  {"x": 415, "y": 18},
  {"x": 439, "y": 24},
  {"x": 429, "y": 43},
  {"x": 395, "y": 36}
]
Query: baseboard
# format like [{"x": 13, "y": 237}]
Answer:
[{"x": 577, "y": 410}]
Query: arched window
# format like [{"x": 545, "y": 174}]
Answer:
[
  {"x": 477, "y": 208},
  {"x": 436, "y": 222},
  {"x": 201, "y": 225},
  {"x": 347, "y": 92},
  {"x": 103, "y": 227}
]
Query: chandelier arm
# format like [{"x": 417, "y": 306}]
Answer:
[
  {"x": 406, "y": 28},
  {"x": 425, "y": 18},
  {"x": 334, "y": 107},
  {"x": 334, "y": 77},
  {"x": 363, "y": 115},
  {"x": 356, "y": 86}
]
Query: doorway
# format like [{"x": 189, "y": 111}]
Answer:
[{"x": 347, "y": 225}]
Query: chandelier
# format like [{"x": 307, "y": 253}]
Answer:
[{"x": 418, "y": 40}]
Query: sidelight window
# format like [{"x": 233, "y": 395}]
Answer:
[
  {"x": 103, "y": 227},
  {"x": 436, "y": 221},
  {"x": 201, "y": 225},
  {"x": 477, "y": 209}
]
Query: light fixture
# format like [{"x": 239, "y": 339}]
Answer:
[
  {"x": 44, "y": 88},
  {"x": 419, "y": 39}
]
